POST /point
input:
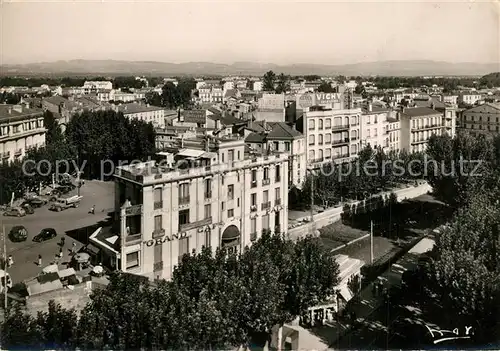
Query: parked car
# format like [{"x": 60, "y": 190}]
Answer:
[
  {"x": 18, "y": 233},
  {"x": 63, "y": 204},
  {"x": 28, "y": 209},
  {"x": 35, "y": 202},
  {"x": 15, "y": 212},
  {"x": 45, "y": 234}
]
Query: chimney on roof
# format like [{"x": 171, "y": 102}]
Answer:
[{"x": 370, "y": 106}]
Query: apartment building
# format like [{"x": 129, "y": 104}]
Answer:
[
  {"x": 374, "y": 127},
  {"x": 20, "y": 130},
  {"x": 393, "y": 131},
  {"x": 271, "y": 108},
  {"x": 279, "y": 136},
  {"x": 483, "y": 119},
  {"x": 450, "y": 99},
  {"x": 90, "y": 87},
  {"x": 331, "y": 134},
  {"x": 210, "y": 94},
  {"x": 258, "y": 85},
  {"x": 147, "y": 113},
  {"x": 214, "y": 194},
  {"x": 418, "y": 124},
  {"x": 469, "y": 98}
]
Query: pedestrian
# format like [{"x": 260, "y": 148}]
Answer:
[
  {"x": 10, "y": 261},
  {"x": 73, "y": 248},
  {"x": 39, "y": 260},
  {"x": 60, "y": 253},
  {"x": 63, "y": 239},
  {"x": 92, "y": 210}
]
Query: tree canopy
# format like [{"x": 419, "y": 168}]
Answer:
[{"x": 214, "y": 301}]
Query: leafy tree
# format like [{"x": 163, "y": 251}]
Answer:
[
  {"x": 466, "y": 270},
  {"x": 325, "y": 87},
  {"x": 54, "y": 134},
  {"x": 57, "y": 326},
  {"x": 19, "y": 330},
  {"x": 268, "y": 81},
  {"x": 283, "y": 84}
]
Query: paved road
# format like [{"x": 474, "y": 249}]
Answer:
[{"x": 25, "y": 254}]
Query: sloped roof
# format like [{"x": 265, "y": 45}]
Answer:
[
  {"x": 255, "y": 138},
  {"x": 420, "y": 111},
  {"x": 281, "y": 130},
  {"x": 231, "y": 93}
]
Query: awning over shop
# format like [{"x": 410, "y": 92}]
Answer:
[{"x": 92, "y": 249}]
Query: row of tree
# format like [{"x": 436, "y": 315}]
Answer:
[
  {"x": 90, "y": 139},
  {"x": 174, "y": 96},
  {"x": 77, "y": 81},
  {"x": 276, "y": 83},
  {"x": 214, "y": 301},
  {"x": 372, "y": 172}
]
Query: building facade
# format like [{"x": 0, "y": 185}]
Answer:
[
  {"x": 418, "y": 124},
  {"x": 373, "y": 127},
  {"x": 470, "y": 98},
  {"x": 331, "y": 134},
  {"x": 146, "y": 113},
  {"x": 223, "y": 198},
  {"x": 483, "y": 119},
  {"x": 90, "y": 87},
  {"x": 20, "y": 130}
]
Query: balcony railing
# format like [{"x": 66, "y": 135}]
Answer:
[
  {"x": 189, "y": 226},
  {"x": 158, "y": 233},
  {"x": 18, "y": 152},
  {"x": 336, "y": 157},
  {"x": 208, "y": 194},
  {"x": 354, "y": 138},
  {"x": 133, "y": 239},
  {"x": 134, "y": 210},
  {"x": 266, "y": 205},
  {"x": 342, "y": 126},
  {"x": 277, "y": 202},
  {"x": 341, "y": 141},
  {"x": 253, "y": 236},
  {"x": 184, "y": 200},
  {"x": 254, "y": 184},
  {"x": 266, "y": 181},
  {"x": 6, "y": 154},
  {"x": 158, "y": 205}
]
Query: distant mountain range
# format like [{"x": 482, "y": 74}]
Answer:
[{"x": 382, "y": 68}]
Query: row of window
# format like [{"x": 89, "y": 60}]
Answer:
[
  {"x": 480, "y": 127},
  {"x": 327, "y": 138},
  {"x": 425, "y": 122},
  {"x": 480, "y": 119},
  {"x": 327, "y": 122}
]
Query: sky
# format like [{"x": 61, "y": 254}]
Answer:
[{"x": 277, "y": 32}]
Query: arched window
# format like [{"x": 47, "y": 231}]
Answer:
[
  {"x": 320, "y": 124},
  {"x": 311, "y": 124},
  {"x": 320, "y": 139},
  {"x": 320, "y": 156},
  {"x": 312, "y": 140},
  {"x": 311, "y": 155},
  {"x": 328, "y": 138}
]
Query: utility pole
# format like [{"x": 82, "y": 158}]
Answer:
[
  {"x": 371, "y": 242},
  {"x": 5, "y": 269}
]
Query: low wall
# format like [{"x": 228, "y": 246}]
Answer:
[{"x": 332, "y": 215}]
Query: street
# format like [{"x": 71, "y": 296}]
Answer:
[{"x": 25, "y": 254}]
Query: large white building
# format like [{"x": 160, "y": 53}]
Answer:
[
  {"x": 374, "y": 127},
  {"x": 146, "y": 113},
  {"x": 213, "y": 194},
  {"x": 418, "y": 124},
  {"x": 90, "y": 87},
  {"x": 20, "y": 130},
  {"x": 331, "y": 134},
  {"x": 483, "y": 119}
]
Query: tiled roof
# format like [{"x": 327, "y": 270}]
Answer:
[
  {"x": 255, "y": 138},
  {"x": 281, "y": 130},
  {"x": 4, "y": 112},
  {"x": 137, "y": 108},
  {"x": 420, "y": 111},
  {"x": 230, "y": 93}
]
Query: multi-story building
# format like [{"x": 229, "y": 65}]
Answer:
[
  {"x": 418, "y": 124},
  {"x": 450, "y": 99},
  {"x": 373, "y": 127},
  {"x": 258, "y": 85},
  {"x": 271, "y": 108},
  {"x": 210, "y": 94},
  {"x": 90, "y": 87},
  {"x": 146, "y": 113},
  {"x": 20, "y": 130},
  {"x": 279, "y": 136},
  {"x": 213, "y": 194},
  {"x": 469, "y": 98},
  {"x": 393, "y": 131},
  {"x": 482, "y": 119},
  {"x": 331, "y": 134}
]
